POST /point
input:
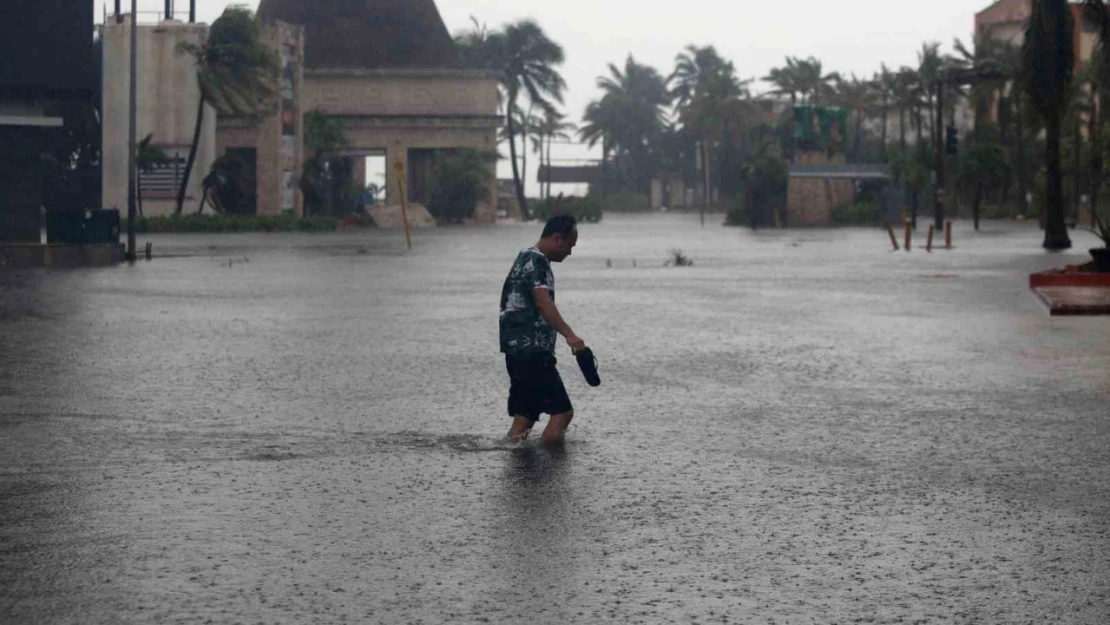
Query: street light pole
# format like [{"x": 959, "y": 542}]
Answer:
[{"x": 132, "y": 133}]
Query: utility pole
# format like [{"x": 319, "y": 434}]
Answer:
[
  {"x": 132, "y": 133},
  {"x": 169, "y": 10},
  {"x": 192, "y": 11}
]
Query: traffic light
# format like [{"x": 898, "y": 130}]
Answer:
[{"x": 952, "y": 140}]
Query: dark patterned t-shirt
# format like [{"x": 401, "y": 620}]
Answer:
[{"x": 523, "y": 329}]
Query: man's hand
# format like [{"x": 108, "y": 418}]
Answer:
[{"x": 576, "y": 344}]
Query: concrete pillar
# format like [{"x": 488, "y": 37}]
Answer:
[
  {"x": 678, "y": 193},
  {"x": 656, "y": 194},
  {"x": 486, "y": 211}
]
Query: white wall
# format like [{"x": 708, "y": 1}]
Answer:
[{"x": 168, "y": 96}]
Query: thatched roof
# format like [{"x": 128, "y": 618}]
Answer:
[{"x": 368, "y": 34}]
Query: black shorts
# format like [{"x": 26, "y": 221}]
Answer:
[{"x": 535, "y": 386}]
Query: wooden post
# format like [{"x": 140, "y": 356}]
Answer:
[
  {"x": 929, "y": 239},
  {"x": 909, "y": 235},
  {"x": 890, "y": 231},
  {"x": 948, "y": 235},
  {"x": 399, "y": 169}
]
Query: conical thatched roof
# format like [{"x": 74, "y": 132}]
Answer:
[{"x": 367, "y": 34}]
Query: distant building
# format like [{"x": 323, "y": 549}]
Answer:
[
  {"x": 387, "y": 69},
  {"x": 47, "y": 62},
  {"x": 1005, "y": 20}
]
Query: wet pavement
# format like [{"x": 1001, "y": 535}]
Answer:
[{"x": 803, "y": 427}]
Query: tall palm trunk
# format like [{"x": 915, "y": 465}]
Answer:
[
  {"x": 977, "y": 200},
  {"x": 527, "y": 214},
  {"x": 191, "y": 160},
  {"x": 902, "y": 129},
  {"x": 1095, "y": 133},
  {"x": 549, "y": 140},
  {"x": 1056, "y": 232},
  {"x": 1019, "y": 160},
  {"x": 917, "y": 119},
  {"x": 885, "y": 116},
  {"x": 859, "y": 133},
  {"x": 604, "y": 166}
]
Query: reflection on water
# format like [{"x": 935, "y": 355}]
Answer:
[{"x": 536, "y": 508}]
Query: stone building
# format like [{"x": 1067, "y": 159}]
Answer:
[
  {"x": 1005, "y": 20},
  {"x": 387, "y": 69}
]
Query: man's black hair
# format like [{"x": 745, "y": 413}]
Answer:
[{"x": 559, "y": 224}]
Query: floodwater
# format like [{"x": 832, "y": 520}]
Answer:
[{"x": 803, "y": 427}]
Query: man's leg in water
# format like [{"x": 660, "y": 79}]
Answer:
[
  {"x": 557, "y": 427},
  {"x": 520, "y": 429}
]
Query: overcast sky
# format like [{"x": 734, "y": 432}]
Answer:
[{"x": 848, "y": 36}]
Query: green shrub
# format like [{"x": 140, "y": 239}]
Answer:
[
  {"x": 583, "y": 209},
  {"x": 860, "y": 214},
  {"x": 625, "y": 202},
  {"x": 234, "y": 223},
  {"x": 737, "y": 214}
]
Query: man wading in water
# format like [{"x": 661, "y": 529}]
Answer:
[{"x": 529, "y": 321}]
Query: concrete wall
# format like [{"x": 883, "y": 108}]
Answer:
[
  {"x": 394, "y": 111},
  {"x": 168, "y": 97},
  {"x": 811, "y": 201},
  {"x": 401, "y": 92}
]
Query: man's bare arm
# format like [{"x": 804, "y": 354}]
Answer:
[{"x": 550, "y": 312}]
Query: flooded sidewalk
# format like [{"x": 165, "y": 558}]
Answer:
[{"x": 802, "y": 427}]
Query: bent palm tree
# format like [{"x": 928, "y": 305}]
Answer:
[
  {"x": 527, "y": 59},
  {"x": 237, "y": 74},
  {"x": 857, "y": 96},
  {"x": 553, "y": 127}
]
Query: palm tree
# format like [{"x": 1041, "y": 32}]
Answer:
[
  {"x": 639, "y": 97},
  {"x": 237, "y": 74},
  {"x": 477, "y": 48},
  {"x": 147, "y": 158},
  {"x": 857, "y": 97},
  {"x": 527, "y": 61},
  {"x": 1048, "y": 63},
  {"x": 987, "y": 52},
  {"x": 599, "y": 123},
  {"x": 884, "y": 82},
  {"x": 695, "y": 69},
  {"x": 815, "y": 85},
  {"x": 929, "y": 67},
  {"x": 553, "y": 127},
  {"x": 527, "y": 126},
  {"x": 905, "y": 98},
  {"x": 1097, "y": 12},
  {"x": 707, "y": 98},
  {"x": 786, "y": 80},
  {"x": 981, "y": 166}
]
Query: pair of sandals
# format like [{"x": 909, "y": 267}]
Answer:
[{"x": 587, "y": 362}]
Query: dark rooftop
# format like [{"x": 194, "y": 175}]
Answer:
[{"x": 368, "y": 34}]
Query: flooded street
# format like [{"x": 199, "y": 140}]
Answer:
[{"x": 803, "y": 427}]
